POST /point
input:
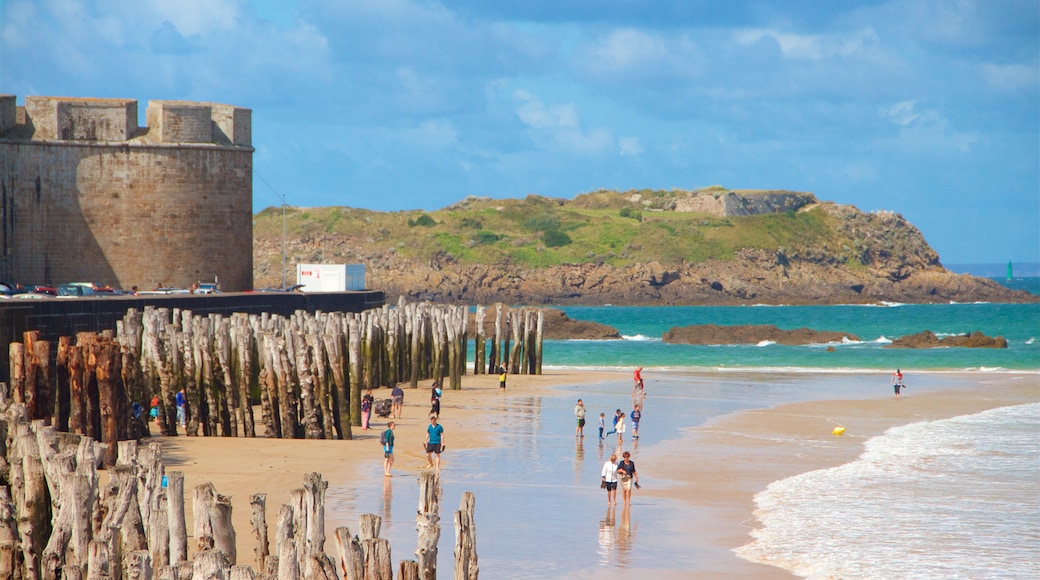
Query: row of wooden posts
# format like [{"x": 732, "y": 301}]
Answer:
[
  {"x": 57, "y": 521},
  {"x": 306, "y": 371}
]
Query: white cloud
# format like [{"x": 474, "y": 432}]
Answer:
[
  {"x": 901, "y": 113},
  {"x": 532, "y": 111},
  {"x": 812, "y": 46},
  {"x": 630, "y": 146}
]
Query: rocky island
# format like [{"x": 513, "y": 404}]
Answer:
[
  {"x": 713, "y": 246},
  {"x": 927, "y": 339},
  {"x": 751, "y": 334}
]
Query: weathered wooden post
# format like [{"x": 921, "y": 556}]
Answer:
[
  {"x": 111, "y": 401},
  {"x": 258, "y": 501},
  {"x": 175, "y": 517},
  {"x": 16, "y": 356},
  {"x": 538, "y": 342},
  {"x": 356, "y": 370},
  {"x": 479, "y": 348},
  {"x": 350, "y": 555},
  {"x": 427, "y": 524},
  {"x": 466, "y": 539}
]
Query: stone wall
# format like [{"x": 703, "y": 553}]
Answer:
[{"x": 87, "y": 195}]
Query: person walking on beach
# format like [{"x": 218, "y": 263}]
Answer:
[
  {"x": 638, "y": 394},
  {"x": 366, "y": 408},
  {"x": 397, "y": 401},
  {"x": 435, "y": 400},
  {"x": 620, "y": 428},
  {"x": 636, "y": 415},
  {"x": 579, "y": 414},
  {"x": 182, "y": 404},
  {"x": 897, "y": 382},
  {"x": 613, "y": 422},
  {"x": 502, "y": 377},
  {"x": 434, "y": 444},
  {"x": 627, "y": 476},
  {"x": 387, "y": 439},
  {"x": 602, "y": 424},
  {"x": 638, "y": 375},
  {"x": 609, "y": 479}
]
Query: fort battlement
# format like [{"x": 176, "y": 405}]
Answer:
[
  {"x": 115, "y": 121},
  {"x": 88, "y": 194}
]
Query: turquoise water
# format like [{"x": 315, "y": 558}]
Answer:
[
  {"x": 1031, "y": 285},
  {"x": 876, "y": 326}
]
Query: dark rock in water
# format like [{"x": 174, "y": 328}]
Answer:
[
  {"x": 927, "y": 339},
  {"x": 559, "y": 327},
  {"x": 751, "y": 334}
]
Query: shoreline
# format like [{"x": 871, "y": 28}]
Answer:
[{"x": 694, "y": 462}]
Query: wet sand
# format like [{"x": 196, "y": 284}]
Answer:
[{"x": 539, "y": 510}]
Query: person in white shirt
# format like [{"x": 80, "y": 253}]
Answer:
[{"x": 609, "y": 479}]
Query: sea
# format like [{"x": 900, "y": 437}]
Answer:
[{"x": 956, "y": 498}]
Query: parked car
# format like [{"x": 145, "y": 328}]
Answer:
[
  {"x": 67, "y": 290},
  {"x": 207, "y": 288}
]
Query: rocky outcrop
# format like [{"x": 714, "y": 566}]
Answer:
[
  {"x": 558, "y": 326},
  {"x": 927, "y": 339},
  {"x": 751, "y": 334},
  {"x": 756, "y": 277}
]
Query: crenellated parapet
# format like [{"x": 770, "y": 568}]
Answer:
[
  {"x": 115, "y": 121},
  {"x": 89, "y": 194}
]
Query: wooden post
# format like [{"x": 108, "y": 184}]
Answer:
[
  {"x": 211, "y": 565},
  {"x": 538, "y": 342},
  {"x": 466, "y": 539},
  {"x": 356, "y": 372},
  {"x": 333, "y": 338},
  {"x": 213, "y": 528},
  {"x": 61, "y": 384},
  {"x": 427, "y": 524},
  {"x": 112, "y": 404},
  {"x": 258, "y": 501},
  {"x": 175, "y": 517},
  {"x": 479, "y": 346},
  {"x": 16, "y": 356},
  {"x": 350, "y": 555}
]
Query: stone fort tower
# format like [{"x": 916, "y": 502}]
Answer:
[{"x": 87, "y": 195}]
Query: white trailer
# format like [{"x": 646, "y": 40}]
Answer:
[{"x": 330, "y": 277}]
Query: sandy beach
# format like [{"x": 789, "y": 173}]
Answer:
[{"x": 703, "y": 475}]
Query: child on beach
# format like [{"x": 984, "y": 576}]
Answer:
[
  {"x": 602, "y": 424},
  {"x": 388, "y": 448},
  {"x": 502, "y": 377},
  {"x": 636, "y": 416},
  {"x": 620, "y": 428},
  {"x": 614, "y": 420}
]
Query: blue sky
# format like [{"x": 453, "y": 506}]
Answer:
[{"x": 930, "y": 108}]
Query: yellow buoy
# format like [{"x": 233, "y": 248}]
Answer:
[{"x": 838, "y": 430}]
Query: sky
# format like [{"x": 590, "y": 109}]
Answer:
[{"x": 929, "y": 108}]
